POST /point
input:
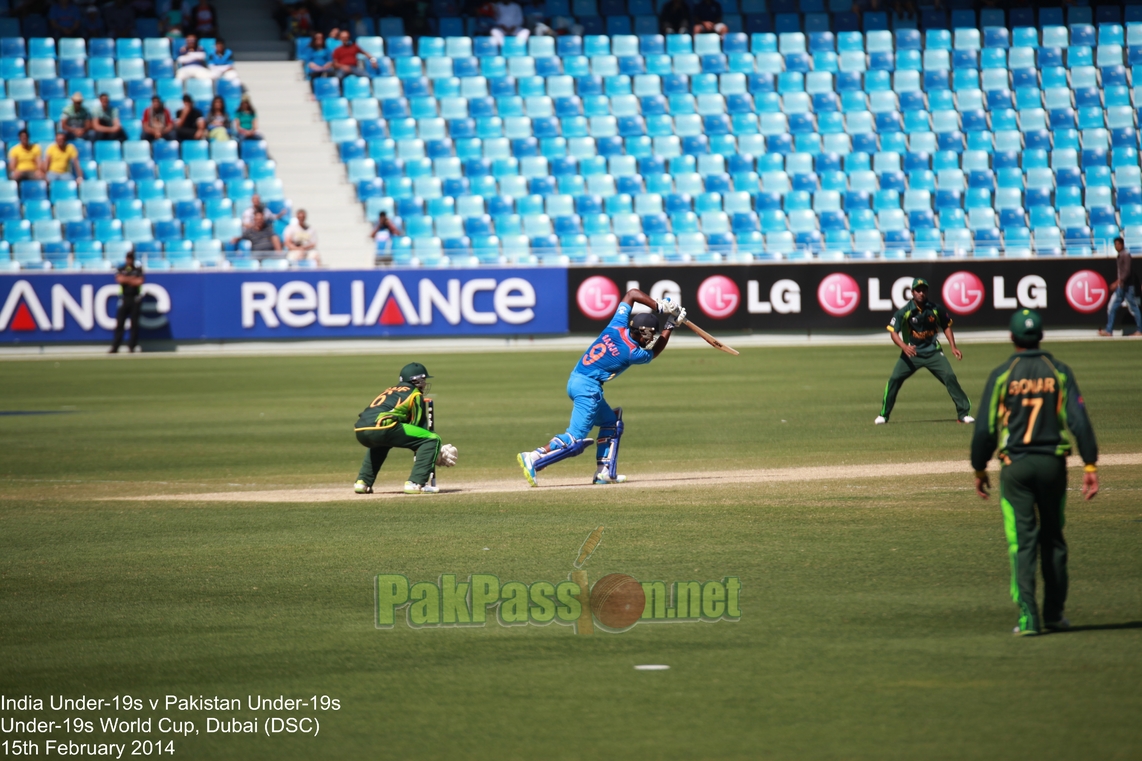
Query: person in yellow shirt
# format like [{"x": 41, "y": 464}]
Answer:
[
  {"x": 24, "y": 160},
  {"x": 62, "y": 161}
]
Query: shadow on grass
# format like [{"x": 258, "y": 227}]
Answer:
[{"x": 1101, "y": 627}]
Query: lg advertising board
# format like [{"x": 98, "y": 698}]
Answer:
[
  {"x": 231, "y": 306},
  {"x": 841, "y": 296},
  {"x": 39, "y": 308}
]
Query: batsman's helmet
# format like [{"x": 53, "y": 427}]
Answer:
[{"x": 643, "y": 327}]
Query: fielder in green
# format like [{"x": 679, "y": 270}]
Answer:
[
  {"x": 400, "y": 417},
  {"x": 914, "y": 328},
  {"x": 1028, "y": 404}
]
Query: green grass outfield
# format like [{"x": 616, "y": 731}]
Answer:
[{"x": 875, "y": 612}]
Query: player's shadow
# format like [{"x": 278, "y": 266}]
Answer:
[
  {"x": 937, "y": 420},
  {"x": 1101, "y": 627}
]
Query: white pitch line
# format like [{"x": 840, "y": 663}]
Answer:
[{"x": 650, "y": 481}]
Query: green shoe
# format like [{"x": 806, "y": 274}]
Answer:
[
  {"x": 362, "y": 488},
  {"x": 1025, "y": 632},
  {"x": 526, "y": 462},
  {"x": 415, "y": 488}
]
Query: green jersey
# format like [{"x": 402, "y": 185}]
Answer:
[
  {"x": 403, "y": 403},
  {"x": 1028, "y": 404},
  {"x": 919, "y": 326}
]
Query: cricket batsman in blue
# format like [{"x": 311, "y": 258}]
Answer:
[{"x": 624, "y": 342}]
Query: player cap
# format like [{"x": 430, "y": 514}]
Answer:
[
  {"x": 1027, "y": 325},
  {"x": 413, "y": 370},
  {"x": 918, "y": 282}
]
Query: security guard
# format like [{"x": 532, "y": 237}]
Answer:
[
  {"x": 398, "y": 417},
  {"x": 915, "y": 328},
  {"x": 1028, "y": 404},
  {"x": 130, "y": 279}
]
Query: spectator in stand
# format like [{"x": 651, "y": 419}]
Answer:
[
  {"x": 120, "y": 18},
  {"x": 345, "y": 61},
  {"x": 675, "y": 18},
  {"x": 218, "y": 121},
  {"x": 190, "y": 123},
  {"x": 191, "y": 61},
  {"x": 1124, "y": 291},
  {"x": 301, "y": 239},
  {"x": 300, "y": 23},
  {"x": 64, "y": 19},
  {"x": 508, "y": 22},
  {"x": 257, "y": 207},
  {"x": 75, "y": 120},
  {"x": 384, "y": 231},
  {"x": 246, "y": 121},
  {"x": 203, "y": 19},
  {"x": 24, "y": 160},
  {"x": 264, "y": 243},
  {"x": 105, "y": 124},
  {"x": 92, "y": 24},
  {"x": 318, "y": 59},
  {"x": 708, "y": 18},
  {"x": 170, "y": 23},
  {"x": 157, "y": 122},
  {"x": 62, "y": 161},
  {"x": 221, "y": 61}
]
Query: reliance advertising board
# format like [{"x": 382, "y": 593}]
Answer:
[
  {"x": 227, "y": 306},
  {"x": 840, "y": 296},
  {"x": 37, "y": 308}
]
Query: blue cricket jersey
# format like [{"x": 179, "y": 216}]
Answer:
[{"x": 613, "y": 351}]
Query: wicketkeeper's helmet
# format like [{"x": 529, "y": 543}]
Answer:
[{"x": 416, "y": 374}]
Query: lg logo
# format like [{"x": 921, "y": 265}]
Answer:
[
  {"x": 1086, "y": 291},
  {"x": 598, "y": 297},
  {"x": 838, "y": 294},
  {"x": 963, "y": 292},
  {"x": 718, "y": 297}
]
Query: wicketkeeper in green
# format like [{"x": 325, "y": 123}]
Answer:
[
  {"x": 915, "y": 328},
  {"x": 402, "y": 418},
  {"x": 1028, "y": 404}
]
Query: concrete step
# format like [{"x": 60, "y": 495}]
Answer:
[{"x": 307, "y": 161}]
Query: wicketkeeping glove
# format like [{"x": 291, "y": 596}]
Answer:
[{"x": 447, "y": 456}]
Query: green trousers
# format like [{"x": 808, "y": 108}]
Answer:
[
  {"x": 422, "y": 441},
  {"x": 939, "y": 366},
  {"x": 1035, "y": 481}
]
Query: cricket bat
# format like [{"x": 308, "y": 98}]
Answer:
[{"x": 711, "y": 340}]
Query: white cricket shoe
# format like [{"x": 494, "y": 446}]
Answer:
[
  {"x": 362, "y": 488},
  {"x": 602, "y": 478},
  {"x": 880, "y": 420},
  {"x": 967, "y": 419},
  {"x": 411, "y": 488}
]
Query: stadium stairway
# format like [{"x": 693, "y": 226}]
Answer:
[
  {"x": 251, "y": 32},
  {"x": 307, "y": 161}
]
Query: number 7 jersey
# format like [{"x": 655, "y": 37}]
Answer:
[
  {"x": 1028, "y": 404},
  {"x": 613, "y": 351}
]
